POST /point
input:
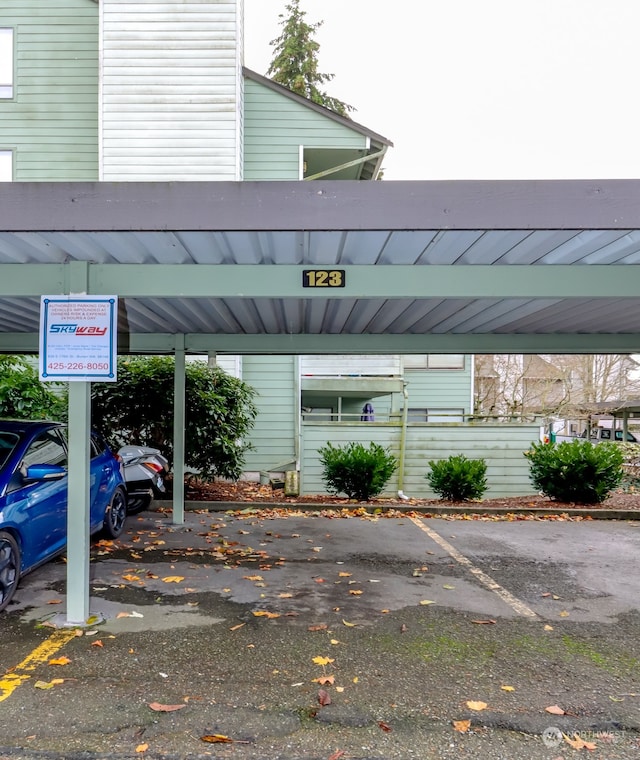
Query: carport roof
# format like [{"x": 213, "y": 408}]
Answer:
[{"x": 499, "y": 266}]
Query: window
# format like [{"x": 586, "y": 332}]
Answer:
[
  {"x": 435, "y": 415},
  {"x": 47, "y": 448},
  {"x": 317, "y": 413},
  {"x": 434, "y": 361},
  {"x": 6, "y": 166},
  {"x": 6, "y": 63}
]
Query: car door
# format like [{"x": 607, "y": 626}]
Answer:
[
  {"x": 101, "y": 472},
  {"x": 103, "y": 467},
  {"x": 40, "y": 508}
]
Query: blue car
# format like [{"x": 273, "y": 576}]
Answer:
[{"x": 33, "y": 496}]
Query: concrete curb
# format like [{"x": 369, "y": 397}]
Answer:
[{"x": 426, "y": 509}]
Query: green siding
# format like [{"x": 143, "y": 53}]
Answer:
[
  {"x": 52, "y": 122},
  {"x": 273, "y": 434},
  {"x": 501, "y": 446},
  {"x": 275, "y": 127},
  {"x": 438, "y": 388}
]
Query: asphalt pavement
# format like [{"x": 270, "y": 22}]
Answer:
[{"x": 285, "y": 636}]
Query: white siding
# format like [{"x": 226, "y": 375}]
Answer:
[
  {"x": 171, "y": 90},
  {"x": 351, "y": 365}
]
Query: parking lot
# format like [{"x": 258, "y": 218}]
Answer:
[{"x": 306, "y": 635}]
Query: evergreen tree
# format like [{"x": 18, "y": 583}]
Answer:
[{"x": 295, "y": 61}]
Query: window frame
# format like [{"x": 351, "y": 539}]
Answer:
[
  {"x": 412, "y": 362},
  {"x": 450, "y": 414},
  {"x": 10, "y": 153},
  {"x": 8, "y": 89}
]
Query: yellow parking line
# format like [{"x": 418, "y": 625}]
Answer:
[
  {"x": 21, "y": 673},
  {"x": 515, "y": 604}
]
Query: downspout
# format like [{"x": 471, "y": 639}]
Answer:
[
  {"x": 403, "y": 442},
  {"x": 297, "y": 433}
]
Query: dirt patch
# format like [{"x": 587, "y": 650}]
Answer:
[{"x": 248, "y": 491}]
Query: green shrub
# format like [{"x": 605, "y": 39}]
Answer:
[
  {"x": 578, "y": 471},
  {"x": 357, "y": 471},
  {"x": 23, "y": 396},
  {"x": 219, "y": 412},
  {"x": 458, "y": 478}
]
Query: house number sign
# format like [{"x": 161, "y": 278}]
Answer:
[{"x": 323, "y": 278}]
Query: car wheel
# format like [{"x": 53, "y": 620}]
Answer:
[
  {"x": 115, "y": 515},
  {"x": 9, "y": 567},
  {"x": 138, "y": 504}
]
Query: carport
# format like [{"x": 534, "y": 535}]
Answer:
[{"x": 318, "y": 267}]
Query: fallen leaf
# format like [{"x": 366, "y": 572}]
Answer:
[
  {"x": 266, "y": 613},
  {"x": 157, "y": 707},
  {"x": 548, "y": 628},
  {"x": 355, "y": 592},
  {"x": 324, "y": 680},
  {"x": 55, "y": 601},
  {"x": 448, "y": 586},
  {"x": 462, "y": 725},
  {"x": 253, "y": 577},
  {"x": 323, "y": 660},
  {"x": 507, "y": 688},
  {"x": 236, "y": 627},
  {"x": 484, "y": 622},
  {"x": 472, "y": 705},
  {"x": 564, "y": 613},
  {"x": 349, "y": 625},
  {"x": 424, "y": 602},
  {"x": 324, "y": 698},
  {"x": 554, "y": 710},
  {"x": 220, "y": 739},
  {"x": 403, "y": 628},
  {"x": 337, "y": 754},
  {"x": 384, "y": 726},
  {"x": 285, "y": 595},
  {"x": 142, "y": 747},
  {"x": 130, "y": 577},
  {"x": 173, "y": 579},
  {"x": 340, "y": 689},
  {"x": 60, "y": 661},
  {"x": 97, "y": 643},
  {"x": 48, "y": 684},
  {"x": 342, "y": 574},
  {"x": 578, "y": 743},
  {"x": 318, "y": 627},
  {"x": 334, "y": 641}
]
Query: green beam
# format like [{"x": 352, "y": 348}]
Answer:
[
  {"x": 486, "y": 343},
  {"x": 285, "y": 281},
  {"x": 33, "y": 279},
  {"x": 367, "y": 281}
]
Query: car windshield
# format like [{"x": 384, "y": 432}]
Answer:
[{"x": 8, "y": 442}]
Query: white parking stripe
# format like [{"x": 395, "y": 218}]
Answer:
[{"x": 515, "y": 604}]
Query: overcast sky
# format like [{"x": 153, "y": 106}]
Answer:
[{"x": 471, "y": 89}]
